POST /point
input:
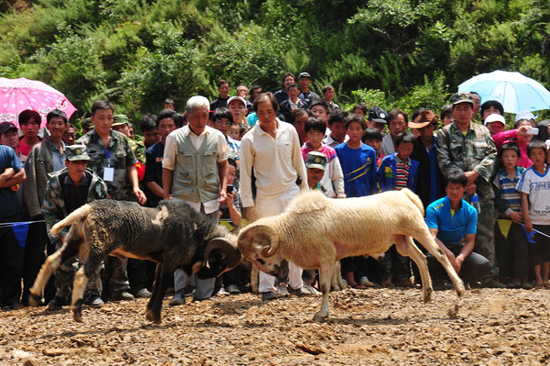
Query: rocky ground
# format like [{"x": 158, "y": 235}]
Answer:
[{"x": 366, "y": 327}]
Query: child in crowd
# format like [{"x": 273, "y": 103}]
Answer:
[
  {"x": 373, "y": 138},
  {"x": 512, "y": 250},
  {"x": 332, "y": 183},
  {"x": 524, "y": 121},
  {"x": 236, "y": 280},
  {"x": 446, "y": 115},
  {"x": 337, "y": 126},
  {"x": 222, "y": 120},
  {"x": 398, "y": 171},
  {"x": 359, "y": 167},
  {"x": 357, "y": 159},
  {"x": 360, "y": 109},
  {"x": 234, "y": 132},
  {"x": 534, "y": 186}
]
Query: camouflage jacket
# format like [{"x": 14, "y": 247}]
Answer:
[
  {"x": 53, "y": 207},
  {"x": 121, "y": 157},
  {"x": 475, "y": 151},
  {"x": 139, "y": 150}
]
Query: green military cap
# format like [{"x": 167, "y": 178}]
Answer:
[
  {"x": 120, "y": 119},
  {"x": 76, "y": 153},
  {"x": 316, "y": 160},
  {"x": 458, "y": 98}
]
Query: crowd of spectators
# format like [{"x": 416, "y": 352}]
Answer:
[{"x": 485, "y": 188}]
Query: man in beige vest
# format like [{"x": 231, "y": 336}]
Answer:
[{"x": 194, "y": 169}]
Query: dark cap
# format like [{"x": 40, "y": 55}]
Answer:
[
  {"x": 378, "y": 114},
  {"x": 304, "y": 74},
  {"x": 6, "y": 126},
  {"x": 76, "y": 153},
  {"x": 458, "y": 98},
  {"x": 316, "y": 160}
]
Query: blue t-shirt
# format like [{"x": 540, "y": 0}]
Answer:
[
  {"x": 359, "y": 168},
  {"x": 9, "y": 205},
  {"x": 452, "y": 228}
]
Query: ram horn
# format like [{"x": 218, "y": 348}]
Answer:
[
  {"x": 230, "y": 251},
  {"x": 258, "y": 233}
]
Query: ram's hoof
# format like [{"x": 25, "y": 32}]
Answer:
[
  {"x": 320, "y": 318},
  {"x": 149, "y": 315},
  {"x": 34, "y": 300},
  {"x": 77, "y": 316},
  {"x": 428, "y": 295}
]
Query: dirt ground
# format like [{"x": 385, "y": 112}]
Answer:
[{"x": 366, "y": 327}]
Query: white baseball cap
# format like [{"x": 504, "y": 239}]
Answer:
[
  {"x": 525, "y": 115},
  {"x": 495, "y": 118}
]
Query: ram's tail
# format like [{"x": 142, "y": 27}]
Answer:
[
  {"x": 73, "y": 218},
  {"x": 414, "y": 198}
]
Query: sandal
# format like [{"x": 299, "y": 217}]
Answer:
[
  {"x": 359, "y": 286},
  {"x": 538, "y": 286}
]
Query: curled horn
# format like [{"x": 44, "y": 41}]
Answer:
[
  {"x": 231, "y": 253},
  {"x": 252, "y": 231}
]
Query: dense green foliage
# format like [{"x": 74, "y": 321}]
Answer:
[{"x": 395, "y": 53}]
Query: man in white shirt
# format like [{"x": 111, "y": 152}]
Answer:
[
  {"x": 271, "y": 152},
  {"x": 194, "y": 169}
]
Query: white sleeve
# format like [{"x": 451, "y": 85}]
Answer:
[
  {"x": 169, "y": 158},
  {"x": 337, "y": 177}
]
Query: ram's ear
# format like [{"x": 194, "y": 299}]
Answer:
[
  {"x": 197, "y": 266},
  {"x": 229, "y": 252}
]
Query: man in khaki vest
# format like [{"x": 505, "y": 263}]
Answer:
[{"x": 194, "y": 169}]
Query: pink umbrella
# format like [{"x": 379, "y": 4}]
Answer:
[{"x": 16, "y": 95}]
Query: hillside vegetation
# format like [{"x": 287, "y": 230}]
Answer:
[{"x": 395, "y": 53}]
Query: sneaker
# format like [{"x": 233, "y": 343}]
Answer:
[
  {"x": 386, "y": 282},
  {"x": 56, "y": 303},
  {"x": 403, "y": 282},
  {"x": 312, "y": 290},
  {"x": 122, "y": 296},
  {"x": 177, "y": 300},
  {"x": 233, "y": 290},
  {"x": 494, "y": 283},
  {"x": 268, "y": 296},
  {"x": 206, "y": 299},
  {"x": 302, "y": 291},
  {"x": 526, "y": 285},
  {"x": 282, "y": 291},
  {"x": 366, "y": 282},
  {"x": 96, "y": 302},
  {"x": 143, "y": 294}
]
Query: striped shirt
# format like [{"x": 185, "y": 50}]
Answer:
[
  {"x": 401, "y": 173},
  {"x": 508, "y": 186}
]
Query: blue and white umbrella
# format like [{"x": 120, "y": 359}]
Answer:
[{"x": 516, "y": 92}]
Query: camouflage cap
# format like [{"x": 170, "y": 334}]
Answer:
[
  {"x": 120, "y": 119},
  {"x": 316, "y": 160},
  {"x": 76, "y": 153},
  {"x": 458, "y": 98}
]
